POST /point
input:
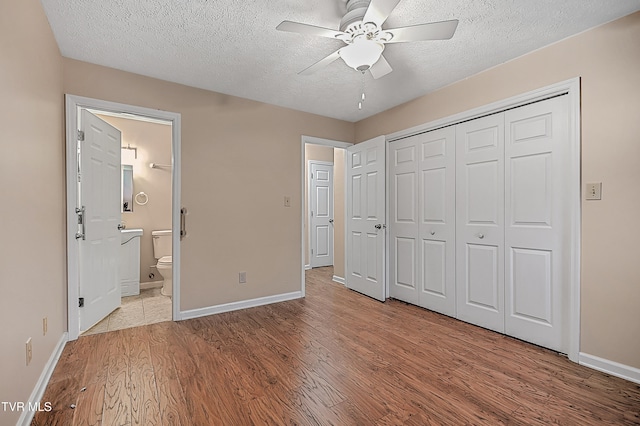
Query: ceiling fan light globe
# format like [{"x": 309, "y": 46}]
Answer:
[{"x": 362, "y": 53}]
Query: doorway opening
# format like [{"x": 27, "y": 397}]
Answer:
[
  {"x": 323, "y": 209},
  {"x": 156, "y": 187}
]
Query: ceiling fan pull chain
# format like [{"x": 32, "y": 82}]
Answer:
[{"x": 363, "y": 96}]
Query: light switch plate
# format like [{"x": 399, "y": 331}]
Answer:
[{"x": 594, "y": 191}]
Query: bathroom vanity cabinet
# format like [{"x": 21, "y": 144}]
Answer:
[{"x": 130, "y": 262}]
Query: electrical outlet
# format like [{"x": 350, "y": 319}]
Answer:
[
  {"x": 287, "y": 201},
  {"x": 594, "y": 191},
  {"x": 45, "y": 326},
  {"x": 242, "y": 277},
  {"x": 29, "y": 351}
]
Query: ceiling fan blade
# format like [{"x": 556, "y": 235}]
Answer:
[
  {"x": 379, "y": 11},
  {"x": 297, "y": 27},
  {"x": 380, "y": 68},
  {"x": 320, "y": 64},
  {"x": 442, "y": 30}
]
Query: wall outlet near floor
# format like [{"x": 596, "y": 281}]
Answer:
[
  {"x": 594, "y": 191},
  {"x": 242, "y": 277},
  {"x": 45, "y": 326},
  {"x": 29, "y": 353}
]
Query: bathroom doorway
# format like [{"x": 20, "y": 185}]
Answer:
[{"x": 155, "y": 186}]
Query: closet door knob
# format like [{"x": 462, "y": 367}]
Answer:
[
  {"x": 433, "y": 232},
  {"x": 481, "y": 236}
]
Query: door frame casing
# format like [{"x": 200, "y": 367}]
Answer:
[
  {"x": 570, "y": 88},
  {"x": 313, "y": 141},
  {"x": 309, "y": 198},
  {"x": 72, "y": 104}
]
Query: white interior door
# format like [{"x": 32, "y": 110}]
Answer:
[
  {"x": 480, "y": 221},
  {"x": 366, "y": 226},
  {"x": 537, "y": 218},
  {"x": 321, "y": 214},
  {"x": 100, "y": 196},
  {"x": 422, "y": 222}
]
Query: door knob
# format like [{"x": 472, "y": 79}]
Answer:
[
  {"x": 121, "y": 226},
  {"x": 433, "y": 232},
  {"x": 330, "y": 220},
  {"x": 378, "y": 226},
  {"x": 481, "y": 236}
]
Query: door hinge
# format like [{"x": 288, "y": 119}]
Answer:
[
  {"x": 311, "y": 213},
  {"x": 311, "y": 175},
  {"x": 80, "y": 212},
  {"x": 80, "y": 135},
  {"x": 312, "y": 252},
  {"x": 81, "y": 302}
]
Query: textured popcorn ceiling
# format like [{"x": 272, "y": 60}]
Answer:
[{"x": 232, "y": 46}]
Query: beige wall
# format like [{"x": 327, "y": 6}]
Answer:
[
  {"x": 608, "y": 60},
  {"x": 32, "y": 206},
  {"x": 239, "y": 159},
  {"x": 153, "y": 142},
  {"x": 318, "y": 153},
  {"x": 338, "y": 211}
]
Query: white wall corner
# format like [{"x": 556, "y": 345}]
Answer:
[
  {"x": 339, "y": 280},
  {"x": 38, "y": 391},
  {"x": 610, "y": 367},
  {"x": 243, "y": 304}
]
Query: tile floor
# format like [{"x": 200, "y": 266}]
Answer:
[{"x": 149, "y": 307}]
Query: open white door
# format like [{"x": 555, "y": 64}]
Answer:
[
  {"x": 366, "y": 218},
  {"x": 99, "y": 234},
  {"x": 321, "y": 212}
]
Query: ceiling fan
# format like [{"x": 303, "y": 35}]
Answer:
[{"x": 361, "y": 30}]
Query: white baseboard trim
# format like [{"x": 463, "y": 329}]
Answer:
[
  {"x": 339, "y": 280},
  {"x": 38, "y": 392},
  {"x": 151, "y": 284},
  {"x": 243, "y": 304},
  {"x": 610, "y": 367},
  {"x": 307, "y": 267}
]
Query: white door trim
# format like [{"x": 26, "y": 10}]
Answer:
[
  {"x": 572, "y": 89},
  {"x": 72, "y": 104},
  {"x": 314, "y": 141},
  {"x": 309, "y": 198}
]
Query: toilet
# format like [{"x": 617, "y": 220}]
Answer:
[{"x": 162, "y": 252}]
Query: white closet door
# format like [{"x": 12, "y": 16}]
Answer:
[
  {"x": 403, "y": 247},
  {"x": 536, "y": 150},
  {"x": 436, "y": 200},
  {"x": 480, "y": 222},
  {"x": 422, "y": 210}
]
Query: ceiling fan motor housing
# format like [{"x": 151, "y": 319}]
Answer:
[{"x": 352, "y": 21}]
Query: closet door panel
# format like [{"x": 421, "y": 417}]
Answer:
[
  {"x": 403, "y": 232},
  {"x": 480, "y": 222},
  {"x": 436, "y": 199},
  {"x": 537, "y": 195}
]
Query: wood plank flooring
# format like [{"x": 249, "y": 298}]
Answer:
[{"x": 333, "y": 358}]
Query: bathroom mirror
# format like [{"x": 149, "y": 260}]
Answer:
[{"x": 127, "y": 188}]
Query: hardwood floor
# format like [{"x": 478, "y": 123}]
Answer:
[{"x": 335, "y": 357}]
